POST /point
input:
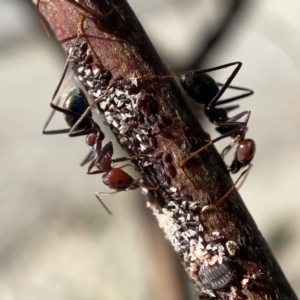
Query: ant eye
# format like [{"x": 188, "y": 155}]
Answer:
[{"x": 245, "y": 151}]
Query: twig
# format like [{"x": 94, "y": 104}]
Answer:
[{"x": 148, "y": 115}]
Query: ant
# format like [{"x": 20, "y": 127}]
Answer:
[
  {"x": 203, "y": 89},
  {"x": 75, "y": 104}
]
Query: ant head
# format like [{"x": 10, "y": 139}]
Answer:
[
  {"x": 76, "y": 102},
  {"x": 119, "y": 180},
  {"x": 201, "y": 87}
]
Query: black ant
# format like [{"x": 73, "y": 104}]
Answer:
[{"x": 203, "y": 89}]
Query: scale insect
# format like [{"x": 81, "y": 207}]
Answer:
[{"x": 216, "y": 276}]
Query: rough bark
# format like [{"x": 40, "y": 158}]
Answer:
[{"x": 149, "y": 116}]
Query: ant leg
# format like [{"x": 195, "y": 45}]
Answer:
[
  {"x": 227, "y": 149},
  {"x": 72, "y": 132},
  {"x": 248, "y": 92},
  {"x": 233, "y": 186},
  {"x": 107, "y": 152},
  {"x": 213, "y": 102},
  {"x": 116, "y": 160},
  {"x": 240, "y": 129},
  {"x": 105, "y": 207},
  {"x": 47, "y": 30},
  {"x": 183, "y": 162},
  {"x": 107, "y": 193},
  {"x": 246, "y": 175},
  {"x": 87, "y": 159},
  {"x": 232, "y": 121},
  {"x": 87, "y": 111},
  {"x": 85, "y": 8},
  {"x": 238, "y": 126},
  {"x": 192, "y": 73},
  {"x": 91, "y": 166},
  {"x": 55, "y": 106},
  {"x": 127, "y": 165},
  {"x": 49, "y": 120},
  {"x": 151, "y": 188}
]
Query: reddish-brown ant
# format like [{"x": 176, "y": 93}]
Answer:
[{"x": 115, "y": 178}]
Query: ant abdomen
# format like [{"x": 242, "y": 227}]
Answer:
[
  {"x": 76, "y": 102},
  {"x": 202, "y": 88},
  {"x": 117, "y": 179},
  {"x": 243, "y": 156}
]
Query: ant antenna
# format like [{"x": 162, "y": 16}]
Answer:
[{"x": 233, "y": 186}]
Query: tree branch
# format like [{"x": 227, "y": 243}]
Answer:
[{"x": 149, "y": 116}]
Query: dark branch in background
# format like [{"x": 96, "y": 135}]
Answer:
[
  {"x": 235, "y": 10},
  {"x": 219, "y": 245}
]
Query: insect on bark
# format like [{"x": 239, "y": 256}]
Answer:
[{"x": 216, "y": 276}]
